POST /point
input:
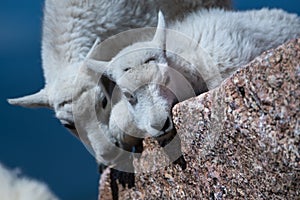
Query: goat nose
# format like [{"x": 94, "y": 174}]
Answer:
[{"x": 166, "y": 126}]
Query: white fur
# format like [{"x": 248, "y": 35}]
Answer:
[
  {"x": 70, "y": 28},
  {"x": 220, "y": 42},
  {"x": 15, "y": 187}
]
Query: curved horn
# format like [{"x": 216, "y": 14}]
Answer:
[
  {"x": 39, "y": 99},
  {"x": 160, "y": 34}
]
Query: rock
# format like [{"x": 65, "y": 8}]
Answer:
[
  {"x": 105, "y": 192},
  {"x": 239, "y": 141}
]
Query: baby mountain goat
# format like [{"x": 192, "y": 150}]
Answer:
[
  {"x": 70, "y": 28},
  {"x": 187, "y": 59}
]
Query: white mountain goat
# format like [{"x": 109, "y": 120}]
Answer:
[
  {"x": 15, "y": 187},
  {"x": 70, "y": 28},
  {"x": 153, "y": 75}
]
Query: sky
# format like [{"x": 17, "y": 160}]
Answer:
[{"x": 33, "y": 139}]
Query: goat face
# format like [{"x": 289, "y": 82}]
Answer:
[
  {"x": 145, "y": 90},
  {"x": 147, "y": 83},
  {"x": 142, "y": 76}
]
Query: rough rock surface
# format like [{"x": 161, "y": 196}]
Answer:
[{"x": 240, "y": 140}]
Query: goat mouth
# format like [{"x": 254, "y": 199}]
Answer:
[
  {"x": 165, "y": 133},
  {"x": 67, "y": 123},
  {"x": 70, "y": 126},
  {"x": 166, "y": 126},
  {"x": 166, "y": 137}
]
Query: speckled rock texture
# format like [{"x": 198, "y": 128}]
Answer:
[{"x": 240, "y": 140}]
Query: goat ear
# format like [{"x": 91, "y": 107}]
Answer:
[
  {"x": 36, "y": 100},
  {"x": 160, "y": 34}
]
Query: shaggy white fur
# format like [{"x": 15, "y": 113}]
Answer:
[
  {"x": 214, "y": 42},
  {"x": 70, "y": 28},
  {"x": 15, "y": 187}
]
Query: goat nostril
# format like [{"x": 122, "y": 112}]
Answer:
[
  {"x": 104, "y": 102},
  {"x": 167, "y": 125}
]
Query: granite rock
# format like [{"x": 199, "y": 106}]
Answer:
[{"x": 239, "y": 141}]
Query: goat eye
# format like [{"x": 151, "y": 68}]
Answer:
[
  {"x": 131, "y": 99},
  {"x": 126, "y": 69},
  {"x": 150, "y": 60}
]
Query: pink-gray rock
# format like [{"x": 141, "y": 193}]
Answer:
[{"x": 240, "y": 140}]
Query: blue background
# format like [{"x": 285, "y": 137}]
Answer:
[{"x": 33, "y": 139}]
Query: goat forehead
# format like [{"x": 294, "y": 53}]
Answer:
[
  {"x": 139, "y": 48},
  {"x": 136, "y": 54},
  {"x": 140, "y": 76}
]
